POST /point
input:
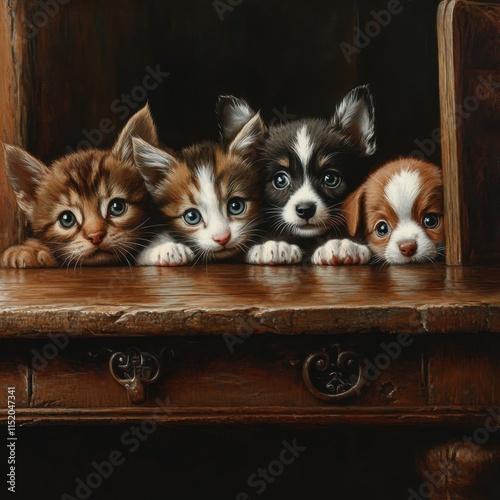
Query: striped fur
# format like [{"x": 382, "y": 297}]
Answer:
[{"x": 87, "y": 184}]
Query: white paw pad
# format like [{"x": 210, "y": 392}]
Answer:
[
  {"x": 274, "y": 253},
  {"x": 341, "y": 252}
]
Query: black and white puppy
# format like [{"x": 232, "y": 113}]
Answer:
[{"x": 309, "y": 166}]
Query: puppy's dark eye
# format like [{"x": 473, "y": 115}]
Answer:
[
  {"x": 332, "y": 180},
  {"x": 281, "y": 180},
  {"x": 430, "y": 221},
  {"x": 192, "y": 216},
  {"x": 117, "y": 207},
  {"x": 383, "y": 229},
  {"x": 67, "y": 219},
  {"x": 236, "y": 206}
]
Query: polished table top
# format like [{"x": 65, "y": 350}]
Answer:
[{"x": 222, "y": 298}]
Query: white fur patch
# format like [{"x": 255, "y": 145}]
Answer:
[
  {"x": 401, "y": 192},
  {"x": 303, "y": 147},
  {"x": 336, "y": 252},
  {"x": 409, "y": 230},
  {"x": 274, "y": 252},
  {"x": 215, "y": 221},
  {"x": 163, "y": 251},
  {"x": 306, "y": 194}
]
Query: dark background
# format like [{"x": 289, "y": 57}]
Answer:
[{"x": 283, "y": 56}]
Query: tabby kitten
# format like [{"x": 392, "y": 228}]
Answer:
[
  {"x": 210, "y": 194},
  {"x": 87, "y": 208}
]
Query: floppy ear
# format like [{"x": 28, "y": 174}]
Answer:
[
  {"x": 24, "y": 174},
  {"x": 140, "y": 125},
  {"x": 153, "y": 163},
  {"x": 355, "y": 117},
  {"x": 352, "y": 209}
]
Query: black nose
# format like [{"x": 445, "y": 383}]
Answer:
[{"x": 306, "y": 210}]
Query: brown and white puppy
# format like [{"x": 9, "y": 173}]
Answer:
[{"x": 398, "y": 212}]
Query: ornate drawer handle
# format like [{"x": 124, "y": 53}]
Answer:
[
  {"x": 134, "y": 370},
  {"x": 332, "y": 374}
]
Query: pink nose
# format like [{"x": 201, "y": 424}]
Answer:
[
  {"x": 222, "y": 239},
  {"x": 97, "y": 237},
  {"x": 408, "y": 248}
]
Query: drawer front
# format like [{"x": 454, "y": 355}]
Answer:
[
  {"x": 234, "y": 372},
  {"x": 257, "y": 374}
]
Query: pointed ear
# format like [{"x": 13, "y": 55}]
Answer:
[
  {"x": 232, "y": 115},
  {"x": 153, "y": 163},
  {"x": 24, "y": 174},
  {"x": 140, "y": 125},
  {"x": 352, "y": 210},
  {"x": 355, "y": 117},
  {"x": 249, "y": 137}
]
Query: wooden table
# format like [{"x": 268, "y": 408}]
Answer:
[{"x": 307, "y": 347}]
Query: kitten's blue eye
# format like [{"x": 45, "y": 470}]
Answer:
[
  {"x": 117, "y": 207},
  {"x": 383, "y": 229},
  {"x": 431, "y": 221},
  {"x": 192, "y": 216},
  {"x": 332, "y": 180},
  {"x": 236, "y": 206},
  {"x": 281, "y": 180},
  {"x": 67, "y": 219}
]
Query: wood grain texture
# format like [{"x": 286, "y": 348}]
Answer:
[
  {"x": 466, "y": 373},
  {"x": 15, "y": 373},
  {"x": 460, "y": 471},
  {"x": 204, "y": 374},
  {"x": 240, "y": 299},
  {"x": 469, "y": 35},
  {"x": 13, "y": 109}
]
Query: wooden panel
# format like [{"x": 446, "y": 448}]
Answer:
[
  {"x": 207, "y": 375},
  {"x": 465, "y": 374},
  {"x": 13, "y": 109},
  {"x": 242, "y": 299},
  {"x": 469, "y": 35},
  {"x": 14, "y": 372}
]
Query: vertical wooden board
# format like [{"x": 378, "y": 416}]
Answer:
[
  {"x": 469, "y": 36},
  {"x": 14, "y": 373},
  {"x": 12, "y": 111},
  {"x": 450, "y": 137}
]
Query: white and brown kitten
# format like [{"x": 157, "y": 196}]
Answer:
[
  {"x": 210, "y": 194},
  {"x": 87, "y": 208}
]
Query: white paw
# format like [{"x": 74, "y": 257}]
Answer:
[
  {"x": 274, "y": 253},
  {"x": 166, "y": 254},
  {"x": 341, "y": 252}
]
